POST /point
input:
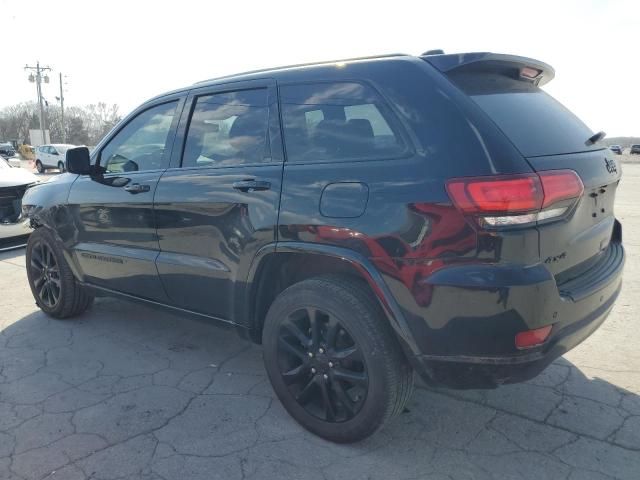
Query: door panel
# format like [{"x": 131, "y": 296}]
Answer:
[
  {"x": 116, "y": 241},
  {"x": 209, "y": 233},
  {"x": 214, "y": 213}
]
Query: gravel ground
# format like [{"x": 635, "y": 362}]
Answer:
[{"x": 126, "y": 392}]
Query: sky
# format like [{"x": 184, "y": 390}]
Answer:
[{"x": 125, "y": 52}]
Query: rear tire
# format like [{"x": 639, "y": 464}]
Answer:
[
  {"x": 333, "y": 359},
  {"x": 39, "y": 166},
  {"x": 61, "y": 167},
  {"x": 52, "y": 283}
]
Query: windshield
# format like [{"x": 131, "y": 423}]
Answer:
[{"x": 534, "y": 121}]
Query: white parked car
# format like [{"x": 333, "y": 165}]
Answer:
[
  {"x": 51, "y": 156},
  {"x": 14, "y": 228}
]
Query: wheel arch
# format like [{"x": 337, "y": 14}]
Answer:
[{"x": 275, "y": 268}]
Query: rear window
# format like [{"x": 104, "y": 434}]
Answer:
[
  {"x": 337, "y": 122},
  {"x": 534, "y": 121}
]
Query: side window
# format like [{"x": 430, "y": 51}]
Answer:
[
  {"x": 230, "y": 128},
  {"x": 337, "y": 122},
  {"x": 141, "y": 144}
]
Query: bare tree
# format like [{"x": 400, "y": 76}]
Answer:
[{"x": 83, "y": 125}]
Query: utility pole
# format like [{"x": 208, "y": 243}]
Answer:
[
  {"x": 64, "y": 131},
  {"x": 38, "y": 81}
]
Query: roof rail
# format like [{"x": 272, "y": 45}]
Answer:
[{"x": 308, "y": 64}]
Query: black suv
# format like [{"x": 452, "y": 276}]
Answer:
[{"x": 361, "y": 219}]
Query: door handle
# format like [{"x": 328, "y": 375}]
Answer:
[
  {"x": 137, "y": 188},
  {"x": 251, "y": 185}
]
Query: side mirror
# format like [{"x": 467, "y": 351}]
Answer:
[{"x": 77, "y": 161}]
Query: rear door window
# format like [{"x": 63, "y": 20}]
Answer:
[
  {"x": 535, "y": 122},
  {"x": 337, "y": 122},
  {"x": 230, "y": 128}
]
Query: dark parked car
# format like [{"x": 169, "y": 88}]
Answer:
[
  {"x": 7, "y": 150},
  {"x": 362, "y": 219},
  {"x": 616, "y": 149},
  {"x": 635, "y": 148}
]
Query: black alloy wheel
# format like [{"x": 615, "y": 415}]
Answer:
[
  {"x": 45, "y": 274},
  {"x": 54, "y": 288},
  {"x": 333, "y": 358},
  {"x": 322, "y": 365}
]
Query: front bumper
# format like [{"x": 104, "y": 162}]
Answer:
[{"x": 14, "y": 235}]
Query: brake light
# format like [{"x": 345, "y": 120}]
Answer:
[
  {"x": 509, "y": 200},
  {"x": 528, "y": 72},
  {"x": 496, "y": 194},
  {"x": 560, "y": 185},
  {"x": 532, "y": 338}
]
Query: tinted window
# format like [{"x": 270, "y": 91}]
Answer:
[
  {"x": 141, "y": 144},
  {"x": 228, "y": 129},
  {"x": 337, "y": 121},
  {"x": 534, "y": 121}
]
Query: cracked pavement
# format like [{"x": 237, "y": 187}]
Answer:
[{"x": 128, "y": 392}]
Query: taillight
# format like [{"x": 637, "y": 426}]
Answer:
[{"x": 510, "y": 200}]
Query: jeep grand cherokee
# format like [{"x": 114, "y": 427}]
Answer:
[{"x": 362, "y": 219}]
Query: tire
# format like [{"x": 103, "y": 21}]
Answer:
[
  {"x": 61, "y": 167},
  {"x": 54, "y": 288},
  {"x": 39, "y": 166},
  {"x": 315, "y": 386}
]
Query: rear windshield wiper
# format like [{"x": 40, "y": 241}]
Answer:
[{"x": 595, "y": 138}]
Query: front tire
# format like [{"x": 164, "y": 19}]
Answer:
[
  {"x": 61, "y": 167},
  {"x": 333, "y": 359},
  {"x": 39, "y": 166},
  {"x": 52, "y": 283}
]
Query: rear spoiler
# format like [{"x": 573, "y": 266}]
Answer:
[{"x": 514, "y": 66}]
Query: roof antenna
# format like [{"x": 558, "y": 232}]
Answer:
[{"x": 433, "y": 52}]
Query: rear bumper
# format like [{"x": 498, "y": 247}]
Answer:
[
  {"x": 465, "y": 372},
  {"x": 465, "y": 334}
]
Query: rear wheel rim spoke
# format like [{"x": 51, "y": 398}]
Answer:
[
  {"x": 293, "y": 350},
  {"x": 343, "y": 396},
  {"x": 295, "y": 374},
  {"x": 353, "y": 378},
  {"x": 306, "y": 393},
  {"x": 314, "y": 326},
  {"x": 299, "y": 334},
  {"x": 329, "y": 408}
]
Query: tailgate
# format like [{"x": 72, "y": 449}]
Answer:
[
  {"x": 550, "y": 137},
  {"x": 576, "y": 243}
]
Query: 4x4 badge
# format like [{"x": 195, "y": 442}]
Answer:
[{"x": 611, "y": 165}]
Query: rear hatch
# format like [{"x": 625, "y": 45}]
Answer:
[{"x": 550, "y": 137}]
